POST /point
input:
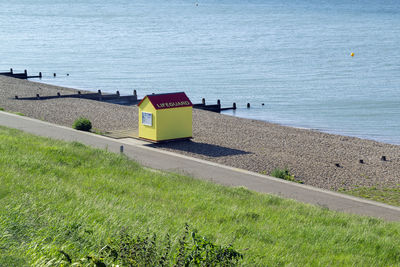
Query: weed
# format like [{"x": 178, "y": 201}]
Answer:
[
  {"x": 97, "y": 131},
  {"x": 148, "y": 250},
  {"x": 285, "y": 175},
  {"x": 365, "y": 176}
]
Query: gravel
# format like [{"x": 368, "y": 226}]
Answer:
[{"x": 313, "y": 157}]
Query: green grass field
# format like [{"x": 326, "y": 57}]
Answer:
[{"x": 65, "y": 196}]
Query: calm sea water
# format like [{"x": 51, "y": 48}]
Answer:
[{"x": 293, "y": 56}]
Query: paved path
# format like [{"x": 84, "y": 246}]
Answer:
[{"x": 201, "y": 169}]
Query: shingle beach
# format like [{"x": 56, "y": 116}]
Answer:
[{"x": 253, "y": 145}]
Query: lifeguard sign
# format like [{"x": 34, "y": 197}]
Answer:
[{"x": 165, "y": 117}]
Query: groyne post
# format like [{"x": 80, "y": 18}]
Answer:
[
  {"x": 234, "y": 105},
  {"x": 100, "y": 96}
]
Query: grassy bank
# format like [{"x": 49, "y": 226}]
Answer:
[
  {"x": 387, "y": 195},
  {"x": 65, "y": 196}
]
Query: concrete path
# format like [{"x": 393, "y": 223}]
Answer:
[{"x": 201, "y": 169}]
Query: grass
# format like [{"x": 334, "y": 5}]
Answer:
[
  {"x": 65, "y": 196},
  {"x": 17, "y": 113},
  {"x": 97, "y": 131},
  {"x": 389, "y": 196}
]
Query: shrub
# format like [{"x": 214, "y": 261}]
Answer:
[
  {"x": 82, "y": 124},
  {"x": 1, "y": 109}
]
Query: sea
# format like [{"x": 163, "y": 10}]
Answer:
[{"x": 290, "y": 59}]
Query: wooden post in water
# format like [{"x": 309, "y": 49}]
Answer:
[
  {"x": 58, "y": 94},
  {"x": 99, "y": 92},
  {"x": 219, "y": 103},
  {"x": 40, "y": 75},
  {"x": 117, "y": 93},
  {"x": 37, "y": 96},
  {"x": 203, "y": 101},
  {"x": 234, "y": 105},
  {"x": 11, "y": 71},
  {"x": 248, "y": 105},
  {"x": 134, "y": 93}
]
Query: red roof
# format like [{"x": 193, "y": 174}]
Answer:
[{"x": 170, "y": 100}]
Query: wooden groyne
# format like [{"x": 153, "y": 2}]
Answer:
[
  {"x": 110, "y": 98},
  {"x": 116, "y": 98},
  {"x": 213, "y": 108},
  {"x": 23, "y": 75},
  {"x": 126, "y": 100}
]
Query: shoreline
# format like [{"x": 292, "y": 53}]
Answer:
[
  {"x": 291, "y": 125},
  {"x": 323, "y": 130},
  {"x": 330, "y": 132},
  {"x": 249, "y": 144}
]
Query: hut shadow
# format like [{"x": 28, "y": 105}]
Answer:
[{"x": 200, "y": 148}]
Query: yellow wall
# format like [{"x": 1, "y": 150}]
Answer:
[
  {"x": 174, "y": 123},
  {"x": 168, "y": 124},
  {"x": 147, "y": 132}
]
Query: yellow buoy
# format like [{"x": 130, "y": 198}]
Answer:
[{"x": 352, "y": 54}]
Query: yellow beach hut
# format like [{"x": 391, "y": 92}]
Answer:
[{"x": 165, "y": 117}]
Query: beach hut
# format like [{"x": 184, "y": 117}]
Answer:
[{"x": 165, "y": 117}]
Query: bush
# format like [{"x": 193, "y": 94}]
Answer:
[{"x": 82, "y": 124}]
